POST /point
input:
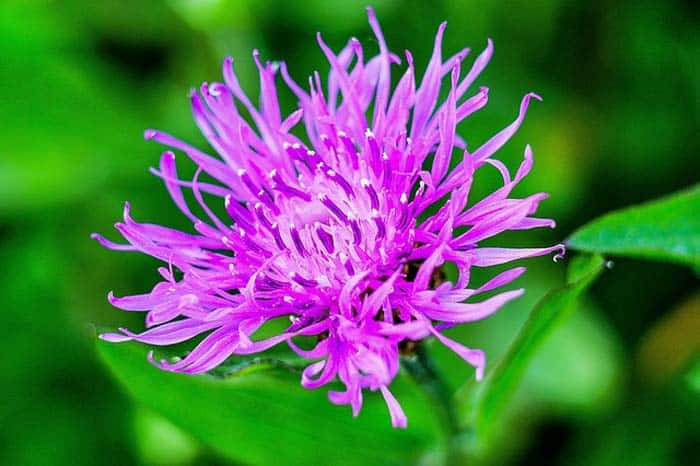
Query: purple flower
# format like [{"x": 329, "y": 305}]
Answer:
[{"x": 341, "y": 230}]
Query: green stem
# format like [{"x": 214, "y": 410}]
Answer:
[{"x": 422, "y": 370}]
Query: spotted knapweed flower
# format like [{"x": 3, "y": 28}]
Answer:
[{"x": 340, "y": 228}]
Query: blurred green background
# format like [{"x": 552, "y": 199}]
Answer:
[{"x": 81, "y": 80}]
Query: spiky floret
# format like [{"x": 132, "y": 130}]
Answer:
[{"x": 332, "y": 230}]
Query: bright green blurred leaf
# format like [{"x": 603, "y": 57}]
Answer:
[
  {"x": 693, "y": 376},
  {"x": 667, "y": 229},
  {"x": 499, "y": 387},
  {"x": 160, "y": 442},
  {"x": 577, "y": 370},
  {"x": 266, "y": 417}
]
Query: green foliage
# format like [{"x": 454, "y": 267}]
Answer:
[
  {"x": 667, "y": 229},
  {"x": 160, "y": 442},
  {"x": 264, "y": 417},
  {"x": 576, "y": 370},
  {"x": 499, "y": 387},
  {"x": 693, "y": 376},
  {"x": 651, "y": 429}
]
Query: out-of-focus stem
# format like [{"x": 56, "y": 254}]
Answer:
[{"x": 422, "y": 370}]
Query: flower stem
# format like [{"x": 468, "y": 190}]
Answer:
[{"x": 422, "y": 370}]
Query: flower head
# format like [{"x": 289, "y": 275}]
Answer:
[{"x": 341, "y": 231}]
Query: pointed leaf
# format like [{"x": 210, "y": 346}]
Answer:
[
  {"x": 266, "y": 417},
  {"x": 553, "y": 309},
  {"x": 666, "y": 229}
]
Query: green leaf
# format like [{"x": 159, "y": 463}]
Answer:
[
  {"x": 159, "y": 442},
  {"x": 266, "y": 417},
  {"x": 553, "y": 309},
  {"x": 578, "y": 369},
  {"x": 651, "y": 428},
  {"x": 693, "y": 376},
  {"x": 666, "y": 229}
]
